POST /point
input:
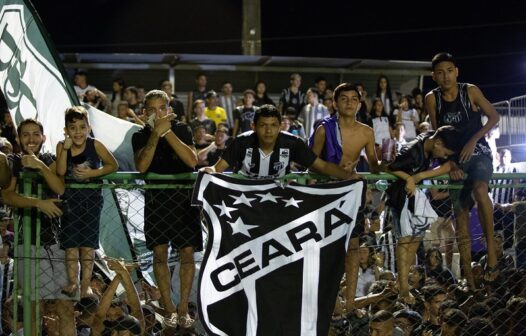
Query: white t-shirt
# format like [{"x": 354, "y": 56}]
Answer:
[{"x": 407, "y": 120}]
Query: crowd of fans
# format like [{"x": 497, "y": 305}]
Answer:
[{"x": 443, "y": 303}]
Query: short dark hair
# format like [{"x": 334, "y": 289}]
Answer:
[
  {"x": 266, "y": 111},
  {"x": 27, "y": 122},
  {"x": 343, "y": 87},
  {"x": 478, "y": 326},
  {"x": 133, "y": 90},
  {"x": 454, "y": 317},
  {"x": 449, "y": 136},
  {"x": 319, "y": 79},
  {"x": 430, "y": 291},
  {"x": 382, "y": 316},
  {"x": 315, "y": 91},
  {"x": 442, "y": 57},
  {"x": 76, "y": 113}
]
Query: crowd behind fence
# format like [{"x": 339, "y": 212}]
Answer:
[{"x": 437, "y": 281}]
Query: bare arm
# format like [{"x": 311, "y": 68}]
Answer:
[
  {"x": 319, "y": 140},
  {"x": 62, "y": 158},
  {"x": 430, "y": 106},
  {"x": 131, "y": 292},
  {"x": 54, "y": 182},
  {"x": 370, "y": 152},
  {"x": 97, "y": 326},
  {"x": 12, "y": 198},
  {"x": 219, "y": 167},
  {"x": 202, "y": 154},
  {"x": 144, "y": 156},
  {"x": 478, "y": 99},
  {"x": 109, "y": 164},
  {"x": 331, "y": 169},
  {"x": 185, "y": 152}
]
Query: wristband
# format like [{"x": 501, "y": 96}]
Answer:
[{"x": 164, "y": 134}]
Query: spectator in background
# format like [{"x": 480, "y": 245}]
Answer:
[
  {"x": 200, "y": 138},
  {"x": 292, "y": 96},
  {"x": 504, "y": 221},
  {"x": 328, "y": 103},
  {"x": 140, "y": 92},
  {"x": 423, "y": 127},
  {"x": 228, "y": 101},
  {"x": 519, "y": 210},
  {"x": 262, "y": 97},
  {"x": 321, "y": 85},
  {"x": 399, "y": 136},
  {"x": 434, "y": 295},
  {"x": 453, "y": 320},
  {"x": 81, "y": 84},
  {"x": 295, "y": 127},
  {"x": 244, "y": 115},
  {"x": 126, "y": 113},
  {"x": 214, "y": 112},
  {"x": 363, "y": 113},
  {"x": 176, "y": 105},
  {"x": 312, "y": 112},
  {"x": 379, "y": 121},
  {"x": 211, "y": 154},
  {"x": 8, "y": 131},
  {"x": 383, "y": 91},
  {"x": 408, "y": 116},
  {"x": 504, "y": 260},
  {"x": 407, "y": 320},
  {"x": 96, "y": 98},
  {"x": 382, "y": 324},
  {"x": 418, "y": 104},
  {"x": 131, "y": 95},
  {"x": 117, "y": 95},
  {"x": 5, "y": 146},
  {"x": 435, "y": 268},
  {"x": 198, "y": 93},
  {"x": 201, "y": 120}
]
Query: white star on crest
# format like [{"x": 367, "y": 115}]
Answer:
[
  {"x": 224, "y": 209},
  {"x": 268, "y": 197},
  {"x": 242, "y": 199},
  {"x": 239, "y": 227},
  {"x": 292, "y": 202}
]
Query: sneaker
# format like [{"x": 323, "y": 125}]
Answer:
[
  {"x": 186, "y": 321},
  {"x": 171, "y": 321}
]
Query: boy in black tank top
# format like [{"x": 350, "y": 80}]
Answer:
[{"x": 459, "y": 105}]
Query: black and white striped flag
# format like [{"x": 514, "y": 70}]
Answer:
[{"x": 275, "y": 254}]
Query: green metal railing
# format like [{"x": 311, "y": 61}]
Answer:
[{"x": 129, "y": 180}]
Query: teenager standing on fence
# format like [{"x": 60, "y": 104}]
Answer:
[
  {"x": 165, "y": 146},
  {"x": 462, "y": 105},
  {"x": 81, "y": 157}
]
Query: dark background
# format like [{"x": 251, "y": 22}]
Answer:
[{"x": 487, "y": 38}]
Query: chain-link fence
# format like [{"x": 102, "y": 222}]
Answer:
[{"x": 125, "y": 246}]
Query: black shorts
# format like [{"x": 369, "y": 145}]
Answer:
[
  {"x": 442, "y": 207},
  {"x": 478, "y": 168},
  {"x": 170, "y": 218}
]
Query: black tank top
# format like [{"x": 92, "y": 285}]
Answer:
[{"x": 459, "y": 114}]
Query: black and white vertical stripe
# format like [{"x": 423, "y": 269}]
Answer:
[{"x": 503, "y": 195}]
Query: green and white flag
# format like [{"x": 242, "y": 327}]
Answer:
[{"x": 34, "y": 85}]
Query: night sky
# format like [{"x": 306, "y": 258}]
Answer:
[{"x": 487, "y": 38}]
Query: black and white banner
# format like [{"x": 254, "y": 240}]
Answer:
[{"x": 275, "y": 254}]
